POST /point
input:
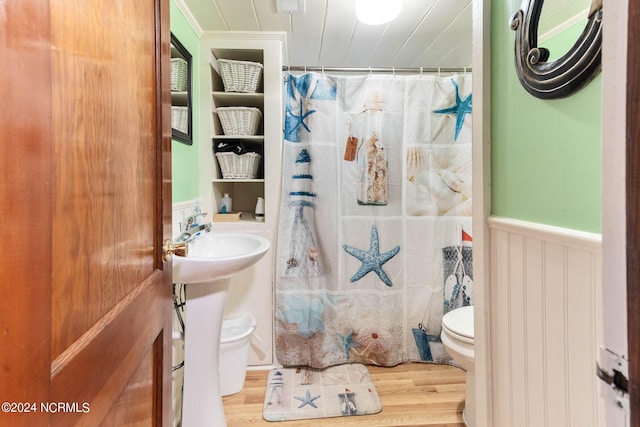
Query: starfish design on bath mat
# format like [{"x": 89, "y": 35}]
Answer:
[
  {"x": 461, "y": 108},
  {"x": 307, "y": 400},
  {"x": 372, "y": 260}
]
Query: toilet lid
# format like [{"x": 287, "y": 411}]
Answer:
[{"x": 460, "y": 321}]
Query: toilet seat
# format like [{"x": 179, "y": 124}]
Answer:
[{"x": 459, "y": 324}]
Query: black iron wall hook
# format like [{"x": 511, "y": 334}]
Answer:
[{"x": 562, "y": 77}]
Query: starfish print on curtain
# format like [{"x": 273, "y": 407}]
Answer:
[
  {"x": 293, "y": 122},
  {"x": 300, "y": 90},
  {"x": 461, "y": 108},
  {"x": 372, "y": 260}
]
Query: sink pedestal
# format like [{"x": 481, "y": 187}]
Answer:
[
  {"x": 202, "y": 400},
  {"x": 206, "y": 273}
]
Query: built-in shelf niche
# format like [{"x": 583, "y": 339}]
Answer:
[{"x": 244, "y": 192}]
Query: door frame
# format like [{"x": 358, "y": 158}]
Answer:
[
  {"x": 481, "y": 170},
  {"x": 632, "y": 138}
]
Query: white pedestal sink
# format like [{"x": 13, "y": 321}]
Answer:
[{"x": 206, "y": 271}]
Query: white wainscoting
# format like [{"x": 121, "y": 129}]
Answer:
[{"x": 545, "y": 325}]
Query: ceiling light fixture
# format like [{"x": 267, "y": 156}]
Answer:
[
  {"x": 290, "y": 6},
  {"x": 376, "y": 12}
]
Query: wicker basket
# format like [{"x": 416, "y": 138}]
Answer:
[
  {"x": 239, "y": 166},
  {"x": 239, "y": 120},
  {"x": 178, "y": 74},
  {"x": 240, "y": 76},
  {"x": 179, "y": 119}
]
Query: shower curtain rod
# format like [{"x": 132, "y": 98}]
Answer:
[{"x": 376, "y": 69}]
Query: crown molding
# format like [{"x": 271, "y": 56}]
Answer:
[{"x": 193, "y": 22}]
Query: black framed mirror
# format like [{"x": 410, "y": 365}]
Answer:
[
  {"x": 567, "y": 74},
  {"x": 181, "y": 104}
]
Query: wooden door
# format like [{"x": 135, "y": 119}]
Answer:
[{"x": 85, "y": 195}]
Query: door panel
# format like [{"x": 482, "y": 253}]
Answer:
[
  {"x": 109, "y": 356},
  {"x": 103, "y": 81},
  {"x": 133, "y": 405},
  {"x": 85, "y": 195}
]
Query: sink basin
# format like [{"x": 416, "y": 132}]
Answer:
[{"x": 216, "y": 256}]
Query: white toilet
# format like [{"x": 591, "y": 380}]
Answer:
[{"x": 457, "y": 338}]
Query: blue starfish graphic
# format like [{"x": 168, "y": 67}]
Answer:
[
  {"x": 346, "y": 342},
  {"x": 372, "y": 260},
  {"x": 461, "y": 108},
  {"x": 307, "y": 400},
  {"x": 292, "y": 122},
  {"x": 299, "y": 91}
]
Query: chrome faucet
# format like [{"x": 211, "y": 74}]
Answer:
[
  {"x": 190, "y": 233},
  {"x": 192, "y": 219},
  {"x": 191, "y": 227}
]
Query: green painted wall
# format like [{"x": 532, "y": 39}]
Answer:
[
  {"x": 185, "y": 165},
  {"x": 545, "y": 155}
]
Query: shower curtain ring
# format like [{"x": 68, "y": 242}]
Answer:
[{"x": 420, "y": 71}]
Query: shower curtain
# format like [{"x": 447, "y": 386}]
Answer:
[{"x": 374, "y": 242}]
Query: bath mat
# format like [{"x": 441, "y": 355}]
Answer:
[{"x": 302, "y": 393}]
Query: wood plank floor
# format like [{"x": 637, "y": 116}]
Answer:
[{"x": 412, "y": 394}]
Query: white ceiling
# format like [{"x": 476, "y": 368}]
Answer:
[{"x": 428, "y": 33}]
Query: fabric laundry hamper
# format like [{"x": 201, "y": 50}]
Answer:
[{"x": 234, "y": 353}]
